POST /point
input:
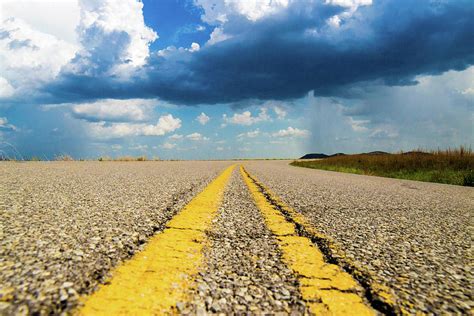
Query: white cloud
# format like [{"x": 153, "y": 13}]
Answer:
[
  {"x": 5, "y": 126},
  {"x": 115, "y": 110},
  {"x": 194, "y": 47},
  {"x": 292, "y": 132},
  {"x": 384, "y": 132},
  {"x": 351, "y": 5},
  {"x": 111, "y": 37},
  {"x": 250, "y": 134},
  {"x": 467, "y": 91},
  {"x": 66, "y": 15},
  {"x": 28, "y": 58},
  {"x": 176, "y": 137},
  {"x": 218, "y": 11},
  {"x": 110, "y": 15},
  {"x": 358, "y": 125},
  {"x": 217, "y": 36},
  {"x": 165, "y": 124},
  {"x": 6, "y": 89},
  {"x": 196, "y": 137},
  {"x": 219, "y": 148},
  {"x": 246, "y": 118},
  {"x": 168, "y": 145},
  {"x": 280, "y": 112},
  {"x": 202, "y": 118}
]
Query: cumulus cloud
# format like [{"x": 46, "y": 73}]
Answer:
[
  {"x": 114, "y": 110},
  {"x": 29, "y": 58},
  {"x": 218, "y": 11},
  {"x": 176, "y": 137},
  {"x": 202, "y": 118},
  {"x": 250, "y": 134},
  {"x": 6, "y": 90},
  {"x": 196, "y": 137},
  {"x": 246, "y": 117},
  {"x": 113, "y": 35},
  {"x": 292, "y": 132},
  {"x": 165, "y": 124}
]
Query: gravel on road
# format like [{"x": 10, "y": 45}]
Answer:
[
  {"x": 64, "y": 225},
  {"x": 414, "y": 237},
  {"x": 244, "y": 272}
]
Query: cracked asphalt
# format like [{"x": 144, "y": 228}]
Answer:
[
  {"x": 414, "y": 237},
  {"x": 244, "y": 272},
  {"x": 65, "y": 225}
]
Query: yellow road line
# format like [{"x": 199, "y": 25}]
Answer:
[
  {"x": 154, "y": 280},
  {"x": 325, "y": 287}
]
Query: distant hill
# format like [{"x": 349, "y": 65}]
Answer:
[
  {"x": 314, "y": 156},
  {"x": 378, "y": 152},
  {"x": 337, "y": 154},
  {"x": 322, "y": 156}
]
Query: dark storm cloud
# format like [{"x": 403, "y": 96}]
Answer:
[{"x": 286, "y": 55}]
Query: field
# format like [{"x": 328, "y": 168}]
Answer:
[{"x": 447, "y": 166}]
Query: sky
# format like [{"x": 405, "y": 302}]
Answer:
[{"x": 219, "y": 79}]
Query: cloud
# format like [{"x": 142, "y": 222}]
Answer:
[
  {"x": 250, "y": 134},
  {"x": 176, "y": 137},
  {"x": 196, "y": 137},
  {"x": 468, "y": 91},
  {"x": 433, "y": 114},
  {"x": 194, "y": 47},
  {"x": 113, "y": 35},
  {"x": 284, "y": 54},
  {"x": 246, "y": 118},
  {"x": 114, "y": 110},
  {"x": 5, "y": 126},
  {"x": 218, "y": 11},
  {"x": 202, "y": 118},
  {"x": 66, "y": 15},
  {"x": 6, "y": 90},
  {"x": 292, "y": 132},
  {"x": 280, "y": 112},
  {"x": 29, "y": 58},
  {"x": 358, "y": 125},
  {"x": 168, "y": 145},
  {"x": 165, "y": 124}
]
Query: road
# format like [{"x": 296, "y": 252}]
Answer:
[{"x": 211, "y": 237}]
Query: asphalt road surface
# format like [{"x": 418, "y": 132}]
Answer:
[{"x": 66, "y": 227}]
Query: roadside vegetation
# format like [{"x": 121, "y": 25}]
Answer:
[{"x": 451, "y": 166}]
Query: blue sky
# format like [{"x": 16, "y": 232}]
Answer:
[{"x": 208, "y": 79}]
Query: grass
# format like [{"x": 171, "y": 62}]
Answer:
[
  {"x": 452, "y": 166},
  {"x": 127, "y": 158}
]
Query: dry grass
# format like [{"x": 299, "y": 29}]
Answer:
[
  {"x": 452, "y": 166},
  {"x": 63, "y": 157},
  {"x": 125, "y": 158}
]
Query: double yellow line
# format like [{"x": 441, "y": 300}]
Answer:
[
  {"x": 154, "y": 280},
  {"x": 160, "y": 276}
]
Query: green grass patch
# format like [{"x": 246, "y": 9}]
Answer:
[{"x": 450, "y": 166}]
